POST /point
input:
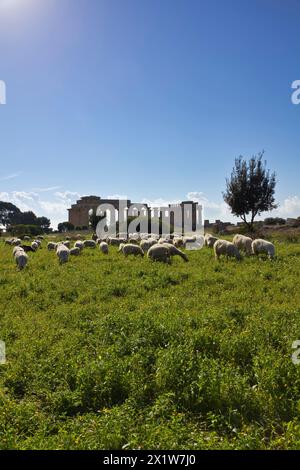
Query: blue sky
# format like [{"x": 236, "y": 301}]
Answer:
[{"x": 149, "y": 99}]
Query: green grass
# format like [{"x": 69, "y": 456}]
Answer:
[{"x": 106, "y": 352}]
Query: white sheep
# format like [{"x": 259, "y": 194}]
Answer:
[
  {"x": 104, "y": 248},
  {"x": 210, "y": 240},
  {"x": 243, "y": 243},
  {"x": 89, "y": 244},
  {"x": 51, "y": 246},
  {"x": 21, "y": 258},
  {"x": 79, "y": 244},
  {"x": 67, "y": 243},
  {"x": 16, "y": 242},
  {"x": 178, "y": 242},
  {"x": 115, "y": 241},
  {"x": 35, "y": 246},
  {"x": 146, "y": 244},
  {"x": 263, "y": 246},
  {"x": 163, "y": 252},
  {"x": 75, "y": 251},
  {"x": 223, "y": 247},
  {"x": 131, "y": 249},
  {"x": 16, "y": 249},
  {"x": 63, "y": 253}
]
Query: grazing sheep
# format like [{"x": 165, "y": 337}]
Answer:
[
  {"x": 163, "y": 252},
  {"x": 16, "y": 250},
  {"x": 243, "y": 243},
  {"x": 75, "y": 251},
  {"x": 21, "y": 259},
  {"x": 210, "y": 240},
  {"x": 165, "y": 240},
  {"x": 223, "y": 247},
  {"x": 34, "y": 246},
  {"x": 146, "y": 244},
  {"x": 79, "y": 244},
  {"x": 175, "y": 252},
  {"x": 63, "y": 253},
  {"x": 38, "y": 242},
  {"x": 8, "y": 241},
  {"x": 263, "y": 246},
  {"x": 40, "y": 237},
  {"x": 16, "y": 242},
  {"x": 51, "y": 246},
  {"x": 104, "y": 248},
  {"x": 89, "y": 244},
  {"x": 133, "y": 241},
  {"x": 115, "y": 241},
  {"x": 178, "y": 242},
  {"x": 131, "y": 249},
  {"x": 27, "y": 248},
  {"x": 67, "y": 243},
  {"x": 26, "y": 238}
]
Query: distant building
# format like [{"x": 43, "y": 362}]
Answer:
[{"x": 79, "y": 213}]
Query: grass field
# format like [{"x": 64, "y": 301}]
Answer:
[{"x": 107, "y": 353}]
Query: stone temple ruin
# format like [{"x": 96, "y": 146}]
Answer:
[{"x": 79, "y": 213}]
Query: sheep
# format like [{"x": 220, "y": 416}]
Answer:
[
  {"x": 38, "y": 242},
  {"x": 89, "y": 244},
  {"x": 40, "y": 237},
  {"x": 63, "y": 253},
  {"x": 133, "y": 241},
  {"x": 34, "y": 246},
  {"x": 174, "y": 251},
  {"x": 8, "y": 241},
  {"x": 104, "y": 248},
  {"x": 178, "y": 242},
  {"x": 165, "y": 240},
  {"x": 27, "y": 248},
  {"x": 146, "y": 244},
  {"x": 263, "y": 246},
  {"x": 79, "y": 244},
  {"x": 75, "y": 251},
  {"x": 223, "y": 247},
  {"x": 21, "y": 259},
  {"x": 16, "y": 250},
  {"x": 163, "y": 252},
  {"x": 210, "y": 240},
  {"x": 16, "y": 242},
  {"x": 243, "y": 243},
  {"x": 26, "y": 238},
  {"x": 130, "y": 249},
  {"x": 51, "y": 246},
  {"x": 116, "y": 241},
  {"x": 67, "y": 243}
]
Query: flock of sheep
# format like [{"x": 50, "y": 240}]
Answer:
[{"x": 157, "y": 248}]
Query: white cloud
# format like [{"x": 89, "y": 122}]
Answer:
[
  {"x": 10, "y": 177},
  {"x": 290, "y": 207},
  {"x": 212, "y": 209},
  {"x": 54, "y": 207}
]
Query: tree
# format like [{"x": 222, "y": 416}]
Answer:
[
  {"x": 250, "y": 189},
  {"x": 44, "y": 223},
  {"x": 8, "y": 213},
  {"x": 28, "y": 218},
  {"x": 65, "y": 227}
]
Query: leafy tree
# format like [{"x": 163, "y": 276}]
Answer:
[
  {"x": 8, "y": 213},
  {"x": 28, "y": 218},
  {"x": 44, "y": 223},
  {"x": 250, "y": 189},
  {"x": 65, "y": 227}
]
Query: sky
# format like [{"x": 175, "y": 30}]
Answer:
[{"x": 148, "y": 99}]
